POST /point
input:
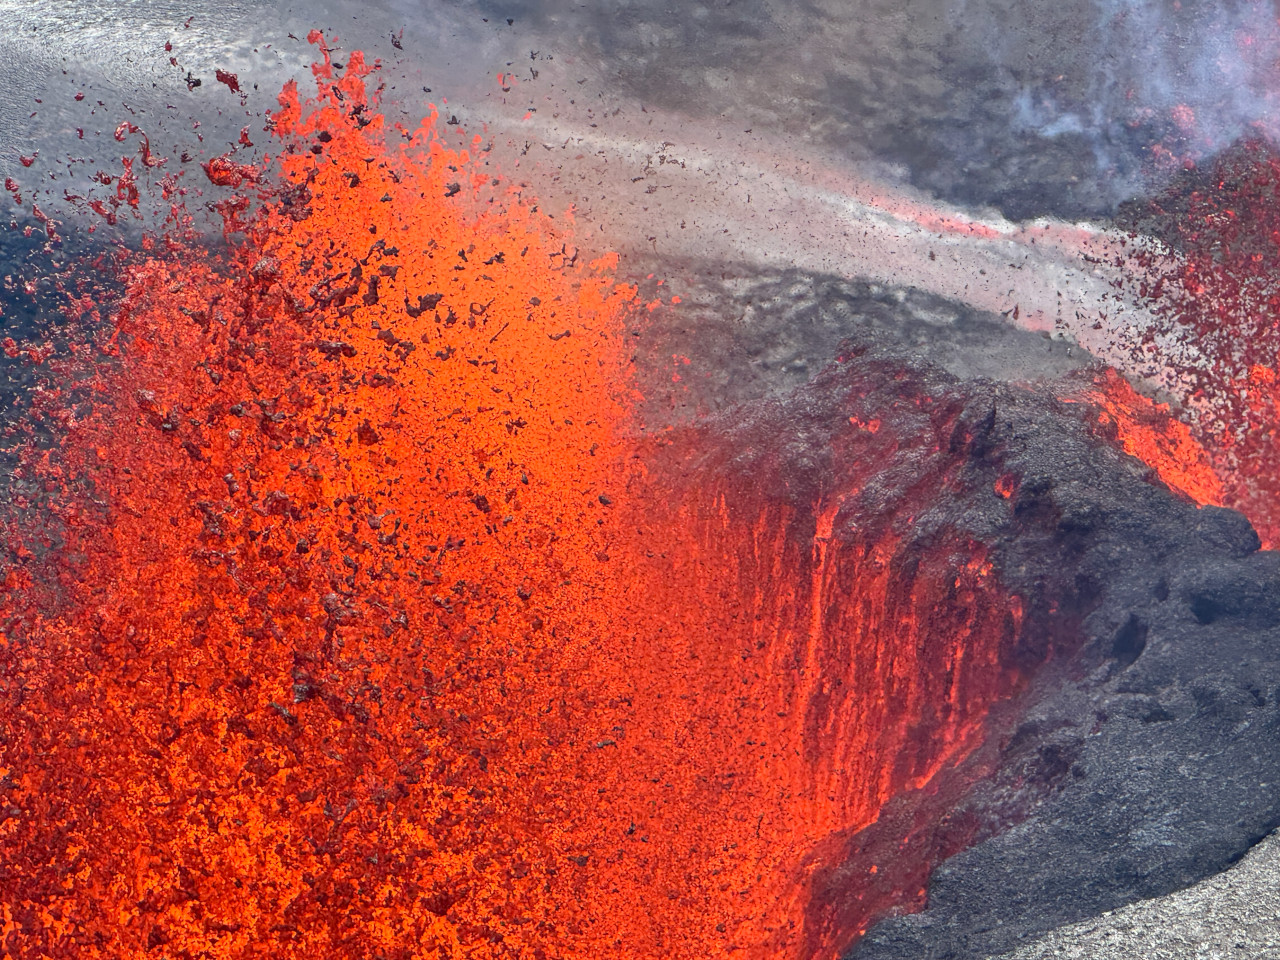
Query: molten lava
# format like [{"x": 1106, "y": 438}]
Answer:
[
  {"x": 1217, "y": 330},
  {"x": 1147, "y": 430},
  {"x": 353, "y": 617}
]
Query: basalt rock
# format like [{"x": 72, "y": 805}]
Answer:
[{"x": 1139, "y": 762}]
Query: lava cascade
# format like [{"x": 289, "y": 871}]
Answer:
[
  {"x": 1148, "y": 430},
  {"x": 351, "y": 616}
]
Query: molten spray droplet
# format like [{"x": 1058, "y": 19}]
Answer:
[{"x": 225, "y": 172}]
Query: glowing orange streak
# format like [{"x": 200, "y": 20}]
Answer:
[{"x": 736, "y": 198}]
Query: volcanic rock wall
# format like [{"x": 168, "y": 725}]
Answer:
[{"x": 1146, "y": 763}]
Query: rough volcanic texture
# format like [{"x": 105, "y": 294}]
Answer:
[
  {"x": 354, "y": 613},
  {"x": 1232, "y": 916},
  {"x": 896, "y": 482},
  {"x": 793, "y": 620},
  {"x": 1158, "y": 744},
  {"x": 1142, "y": 764},
  {"x": 704, "y": 653},
  {"x": 919, "y": 542},
  {"x": 742, "y": 335}
]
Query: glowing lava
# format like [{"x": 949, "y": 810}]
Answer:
[
  {"x": 1216, "y": 332},
  {"x": 352, "y": 620},
  {"x": 1148, "y": 431}
]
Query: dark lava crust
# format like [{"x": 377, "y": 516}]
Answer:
[
  {"x": 1149, "y": 760},
  {"x": 1144, "y": 754},
  {"x": 1144, "y": 761}
]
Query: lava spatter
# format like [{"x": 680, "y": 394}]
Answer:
[
  {"x": 351, "y": 618},
  {"x": 320, "y": 525},
  {"x": 1216, "y": 335}
]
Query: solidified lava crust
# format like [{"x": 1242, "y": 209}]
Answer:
[
  {"x": 1137, "y": 767},
  {"x": 1151, "y": 756}
]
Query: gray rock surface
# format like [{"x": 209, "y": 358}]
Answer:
[
  {"x": 1232, "y": 916},
  {"x": 1033, "y": 106},
  {"x": 1139, "y": 765}
]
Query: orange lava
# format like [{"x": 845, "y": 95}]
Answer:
[
  {"x": 1146, "y": 430},
  {"x": 1218, "y": 299},
  {"x": 353, "y": 621}
]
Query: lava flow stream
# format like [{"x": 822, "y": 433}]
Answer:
[
  {"x": 1211, "y": 339},
  {"x": 352, "y": 615}
]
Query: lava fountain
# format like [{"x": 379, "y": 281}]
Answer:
[
  {"x": 1216, "y": 307},
  {"x": 354, "y": 611}
]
